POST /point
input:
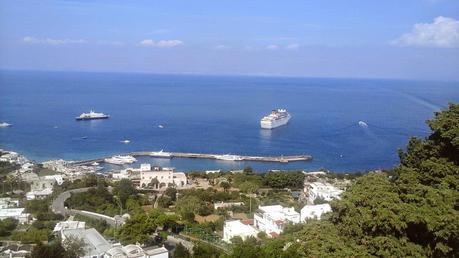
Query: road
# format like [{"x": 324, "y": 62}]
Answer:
[{"x": 58, "y": 207}]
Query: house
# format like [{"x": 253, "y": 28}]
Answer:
[
  {"x": 17, "y": 214},
  {"x": 135, "y": 251},
  {"x": 322, "y": 190},
  {"x": 38, "y": 194},
  {"x": 95, "y": 244},
  {"x": 69, "y": 224},
  {"x": 314, "y": 211},
  {"x": 223, "y": 205},
  {"x": 237, "y": 228},
  {"x": 272, "y": 219},
  {"x": 8, "y": 202},
  {"x": 164, "y": 177}
]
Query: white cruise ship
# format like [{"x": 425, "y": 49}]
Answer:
[
  {"x": 4, "y": 124},
  {"x": 228, "y": 157},
  {"x": 92, "y": 115},
  {"x": 120, "y": 160},
  {"x": 278, "y": 117},
  {"x": 160, "y": 154}
]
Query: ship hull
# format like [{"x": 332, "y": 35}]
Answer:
[
  {"x": 274, "y": 124},
  {"x": 91, "y": 118}
]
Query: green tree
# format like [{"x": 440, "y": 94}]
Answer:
[
  {"x": 74, "y": 247},
  {"x": 181, "y": 252},
  {"x": 124, "y": 189}
]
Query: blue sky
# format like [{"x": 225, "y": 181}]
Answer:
[{"x": 410, "y": 39}]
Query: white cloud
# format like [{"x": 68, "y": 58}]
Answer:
[
  {"x": 222, "y": 47},
  {"x": 50, "y": 41},
  {"x": 110, "y": 43},
  {"x": 443, "y": 32},
  {"x": 162, "y": 43},
  {"x": 272, "y": 47},
  {"x": 293, "y": 46}
]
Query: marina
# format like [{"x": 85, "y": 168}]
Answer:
[{"x": 226, "y": 157}]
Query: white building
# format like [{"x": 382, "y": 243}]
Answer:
[
  {"x": 272, "y": 219},
  {"x": 8, "y": 202},
  {"x": 236, "y": 228},
  {"x": 322, "y": 190},
  {"x": 69, "y": 224},
  {"x": 135, "y": 251},
  {"x": 39, "y": 194},
  {"x": 164, "y": 177},
  {"x": 223, "y": 205},
  {"x": 314, "y": 211},
  {"x": 95, "y": 244},
  {"x": 15, "y": 213}
]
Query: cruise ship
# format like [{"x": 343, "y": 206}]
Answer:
[
  {"x": 160, "y": 154},
  {"x": 228, "y": 157},
  {"x": 120, "y": 160},
  {"x": 278, "y": 117},
  {"x": 4, "y": 124},
  {"x": 92, "y": 115}
]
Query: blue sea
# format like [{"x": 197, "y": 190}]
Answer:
[{"x": 217, "y": 114}]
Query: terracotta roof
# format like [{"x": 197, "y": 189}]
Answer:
[
  {"x": 247, "y": 221},
  {"x": 274, "y": 234}
]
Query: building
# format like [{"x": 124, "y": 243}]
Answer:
[
  {"x": 8, "y": 202},
  {"x": 135, "y": 251},
  {"x": 17, "y": 214},
  {"x": 237, "y": 228},
  {"x": 224, "y": 205},
  {"x": 272, "y": 219},
  {"x": 38, "y": 194},
  {"x": 323, "y": 191},
  {"x": 164, "y": 177},
  {"x": 95, "y": 244},
  {"x": 314, "y": 211},
  {"x": 69, "y": 224}
]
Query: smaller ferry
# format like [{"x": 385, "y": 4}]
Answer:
[
  {"x": 126, "y": 141},
  {"x": 92, "y": 115},
  {"x": 120, "y": 160},
  {"x": 228, "y": 157},
  {"x": 160, "y": 154},
  {"x": 3, "y": 125}
]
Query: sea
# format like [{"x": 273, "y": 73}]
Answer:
[{"x": 217, "y": 114}]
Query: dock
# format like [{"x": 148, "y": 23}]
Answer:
[{"x": 280, "y": 159}]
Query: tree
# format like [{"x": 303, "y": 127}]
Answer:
[
  {"x": 7, "y": 226},
  {"x": 172, "y": 193},
  {"x": 181, "y": 252},
  {"x": 124, "y": 189},
  {"x": 52, "y": 250},
  {"x": 225, "y": 185},
  {"x": 284, "y": 179},
  {"x": 74, "y": 247}
]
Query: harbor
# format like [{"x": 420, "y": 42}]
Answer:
[{"x": 226, "y": 157}]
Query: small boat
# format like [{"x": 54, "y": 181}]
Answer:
[
  {"x": 363, "y": 124},
  {"x": 126, "y": 141},
  {"x": 160, "y": 154},
  {"x": 161, "y": 126},
  {"x": 95, "y": 164},
  {"x": 3, "y": 125},
  {"x": 84, "y": 137}
]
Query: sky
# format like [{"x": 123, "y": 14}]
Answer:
[{"x": 406, "y": 39}]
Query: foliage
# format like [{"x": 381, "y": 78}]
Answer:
[
  {"x": 99, "y": 224},
  {"x": 141, "y": 226},
  {"x": 284, "y": 179},
  {"x": 52, "y": 250},
  {"x": 96, "y": 200},
  {"x": 181, "y": 252},
  {"x": 31, "y": 235},
  {"x": 7, "y": 226},
  {"x": 171, "y": 192},
  {"x": 201, "y": 250},
  {"x": 124, "y": 189},
  {"x": 74, "y": 247}
]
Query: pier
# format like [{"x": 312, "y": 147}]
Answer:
[{"x": 280, "y": 159}]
